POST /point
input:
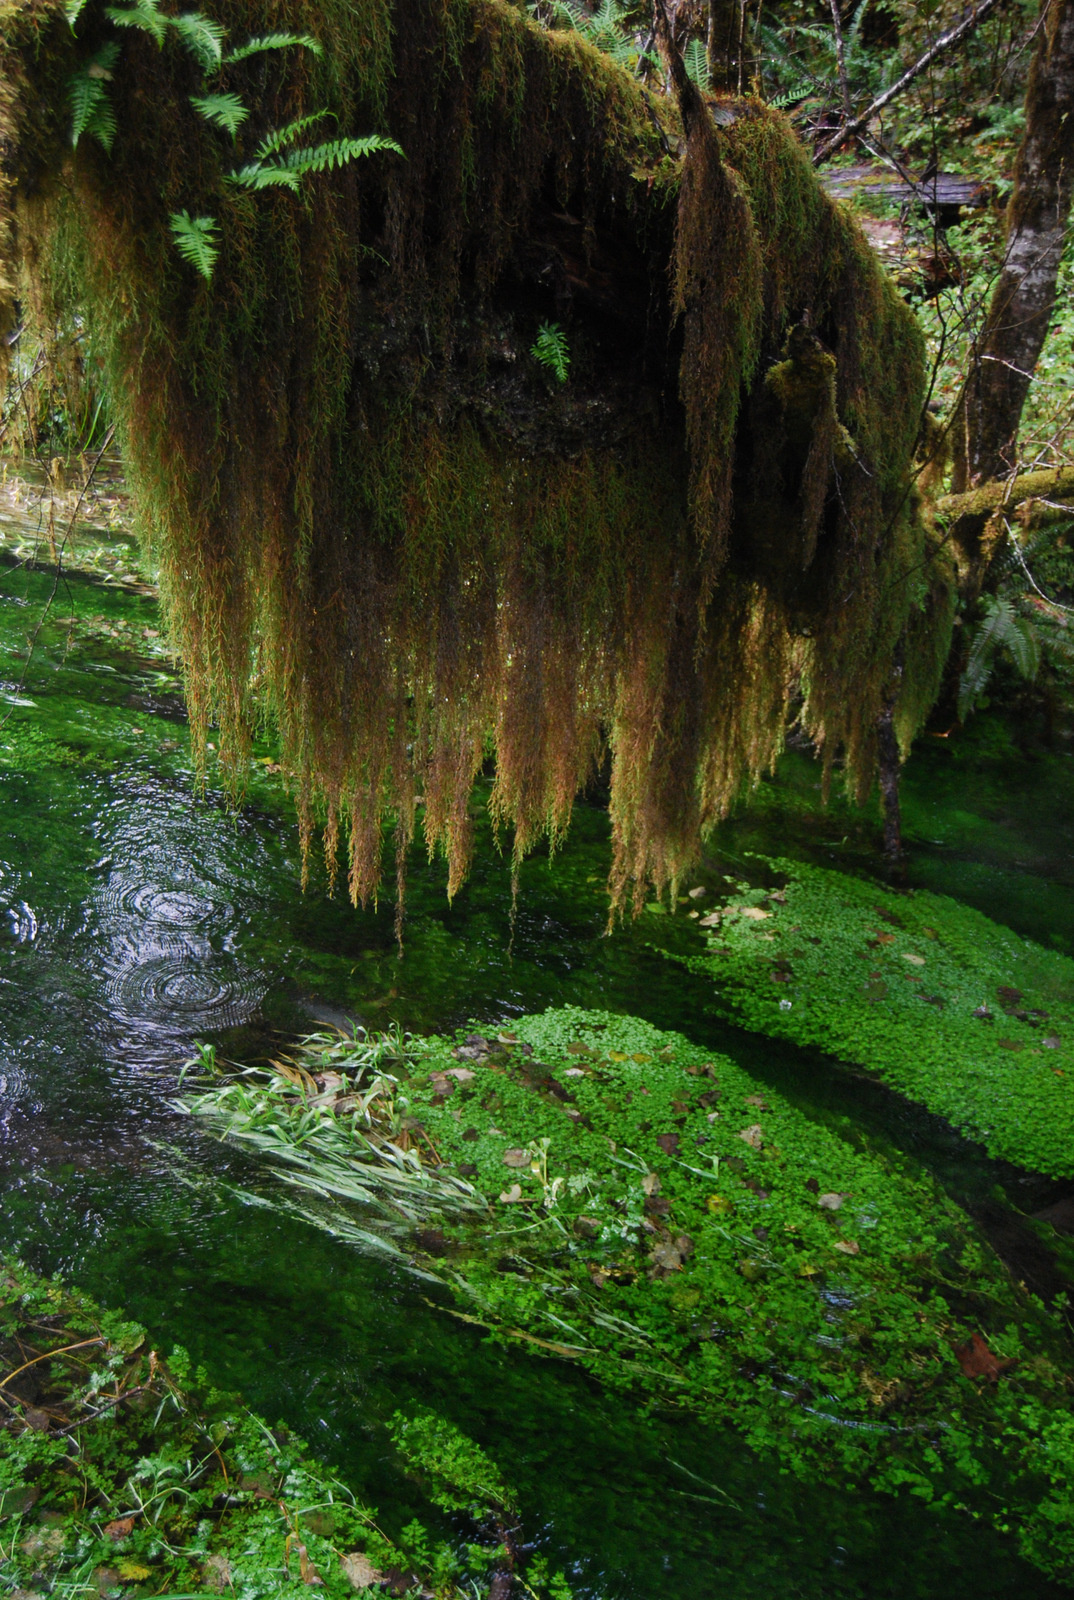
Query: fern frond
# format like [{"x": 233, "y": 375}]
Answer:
[
  {"x": 102, "y": 124},
  {"x": 91, "y": 108},
  {"x": 551, "y": 350},
  {"x": 194, "y": 240},
  {"x": 696, "y": 61},
  {"x": 324, "y": 157},
  {"x": 73, "y": 10},
  {"x": 203, "y": 37},
  {"x": 1023, "y": 644},
  {"x": 272, "y": 41},
  {"x": 224, "y": 110},
  {"x": 144, "y": 15},
  {"x": 284, "y": 136},
  {"x": 258, "y": 175}
]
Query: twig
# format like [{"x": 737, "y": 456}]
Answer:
[{"x": 946, "y": 41}]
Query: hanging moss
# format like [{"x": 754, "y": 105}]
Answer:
[{"x": 377, "y": 515}]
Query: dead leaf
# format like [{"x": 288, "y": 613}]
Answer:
[
  {"x": 918, "y": 961},
  {"x": 713, "y": 920},
  {"x": 1009, "y": 999},
  {"x": 574, "y": 1072},
  {"x": 360, "y": 1571},
  {"x": 120, "y": 1529},
  {"x": 695, "y": 894},
  {"x": 752, "y": 913},
  {"x": 37, "y": 1420},
  {"x": 651, "y": 1183},
  {"x": 757, "y": 1100},
  {"x": 512, "y": 1196},
  {"x": 977, "y": 1360},
  {"x": 849, "y": 1247},
  {"x": 516, "y": 1158},
  {"x": 830, "y": 1202},
  {"x": 216, "y": 1573},
  {"x": 1010, "y": 1044},
  {"x": 719, "y": 1205},
  {"x": 460, "y": 1074},
  {"x": 640, "y": 1057},
  {"x": 668, "y": 1142},
  {"x": 664, "y": 1258},
  {"x": 1051, "y": 1043},
  {"x": 753, "y": 1136}
]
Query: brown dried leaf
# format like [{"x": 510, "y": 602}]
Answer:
[
  {"x": 831, "y": 1202},
  {"x": 513, "y": 1195},
  {"x": 849, "y": 1247},
  {"x": 360, "y": 1571},
  {"x": 977, "y": 1360},
  {"x": 752, "y": 1135},
  {"x": 120, "y": 1529},
  {"x": 668, "y": 1142},
  {"x": 516, "y": 1158},
  {"x": 651, "y": 1183}
]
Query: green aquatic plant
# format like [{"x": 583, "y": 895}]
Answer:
[
  {"x": 124, "y": 1474},
  {"x": 947, "y": 1007},
  {"x": 656, "y": 1215}
]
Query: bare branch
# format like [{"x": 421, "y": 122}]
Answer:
[{"x": 946, "y": 41}]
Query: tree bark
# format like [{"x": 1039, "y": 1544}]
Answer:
[{"x": 1020, "y": 311}]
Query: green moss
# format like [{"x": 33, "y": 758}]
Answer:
[
  {"x": 949, "y": 1008},
  {"x": 656, "y": 1216},
  {"x": 127, "y": 1476}
]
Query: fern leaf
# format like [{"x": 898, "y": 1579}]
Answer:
[
  {"x": 284, "y": 136},
  {"x": 551, "y": 350},
  {"x": 259, "y": 175},
  {"x": 91, "y": 109},
  {"x": 1023, "y": 642},
  {"x": 695, "y": 60},
  {"x": 224, "y": 110},
  {"x": 203, "y": 37},
  {"x": 102, "y": 124},
  {"x": 194, "y": 240},
  {"x": 143, "y": 15},
  {"x": 324, "y": 157},
  {"x": 73, "y": 10},
  {"x": 272, "y": 41}
]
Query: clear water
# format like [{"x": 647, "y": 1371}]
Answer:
[{"x": 135, "y": 917}]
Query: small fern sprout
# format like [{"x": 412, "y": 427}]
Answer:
[
  {"x": 551, "y": 350},
  {"x": 195, "y": 240}
]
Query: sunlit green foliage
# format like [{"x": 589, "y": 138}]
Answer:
[{"x": 944, "y": 1005}]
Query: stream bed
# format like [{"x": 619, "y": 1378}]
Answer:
[{"x": 138, "y": 916}]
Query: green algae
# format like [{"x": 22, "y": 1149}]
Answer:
[
  {"x": 946, "y": 1006},
  {"x": 693, "y": 1239}
]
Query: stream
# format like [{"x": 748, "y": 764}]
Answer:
[{"x": 137, "y": 916}]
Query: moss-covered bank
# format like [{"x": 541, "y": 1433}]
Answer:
[
  {"x": 653, "y": 1214},
  {"x": 376, "y": 512},
  {"x": 124, "y": 1476},
  {"x": 946, "y": 1006}
]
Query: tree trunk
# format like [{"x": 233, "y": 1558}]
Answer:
[
  {"x": 724, "y": 42},
  {"x": 986, "y": 446}
]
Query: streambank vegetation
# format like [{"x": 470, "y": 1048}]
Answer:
[{"x": 614, "y": 1195}]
